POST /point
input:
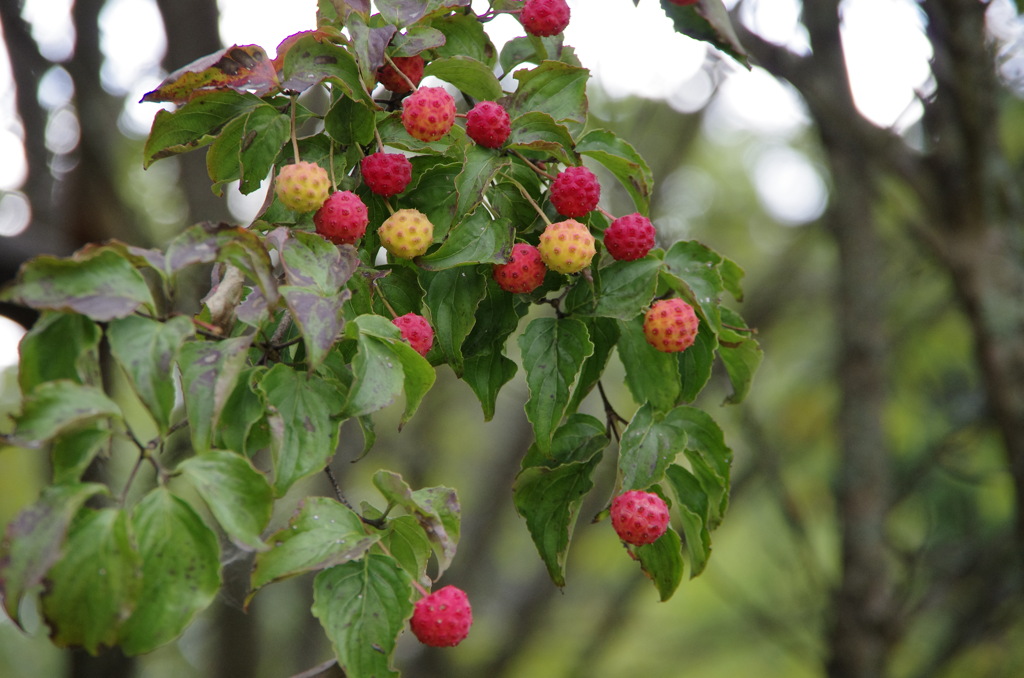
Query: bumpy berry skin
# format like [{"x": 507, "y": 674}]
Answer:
[
  {"x": 428, "y": 113},
  {"x": 524, "y": 271},
  {"x": 443, "y": 618},
  {"x": 386, "y": 174},
  {"x": 406, "y": 233},
  {"x": 302, "y": 186},
  {"x": 575, "y": 191},
  {"x": 393, "y": 81},
  {"x": 671, "y": 325},
  {"x": 342, "y": 219},
  {"x": 417, "y": 331},
  {"x": 639, "y": 517},
  {"x": 567, "y": 246},
  {"x": 488, "y": 124},
  {"x": 544, "y": 18},
  {"x": 630, "y": 237}
]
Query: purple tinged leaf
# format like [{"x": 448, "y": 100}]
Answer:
[{"x": 33, "y": 540}]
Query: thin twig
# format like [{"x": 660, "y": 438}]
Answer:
[{"x": 316, "y": 670}]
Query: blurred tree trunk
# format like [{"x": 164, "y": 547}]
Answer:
[{"x": 969, "y": 218}]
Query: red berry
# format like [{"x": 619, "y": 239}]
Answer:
[
  {"x": 391, "y": 79},
  {"x": 428, "y": 113},
  {"x": 524, "y": 271},
  {"x": 671, "y": 325},
  {"x": 629, "y": 237},
  {"x": 639, "y": 517},
  {"x": 417, "y": 331},
  {"x": 575, "y": 191},
  {"x": 342, "y": 218},
  {"x": 386, "y": 174},
  {"x": 544, "y": 18},
  {"x": 488, "y": 124},
  {"x": 443, "y": 618}
]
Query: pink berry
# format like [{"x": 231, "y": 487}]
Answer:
[
  {"x": 671, "y": 325},
  {"x": 411, "y": 66},
  {"x": 524, "y": 271},
  {"x": 639, "y": 517},
  {"x": 488, "y": 124},
  {"x": 442, "y": 618},
  {"x": 417, "y": 331},
  {"x": 629, "y": 237},
  {"x": 428, "y": 113},
  {"x": 544, "y": 18},
  {"x": 386, "y": 174},
  {"x": 575, "y": 191},
  {"x": 342, "y": 219}
]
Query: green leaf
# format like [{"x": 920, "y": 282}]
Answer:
[
  {"x": 60, "y": 346},
  {"x": 209, "y": 372},
  {"x": 363, "y": 606},
  {"x": 695, "y": 363},
  {"x": 415, "y": 39},
  {"x": 649, "y": 444},
  {"x": 431, "y": 193},
  {"x": 692, "y": 507},
  {"x": 663, "y": 563},
  {"x": 146, "y": 350},
  {"x": 33, "y": 540},
  {"x": 486, "y": 373},
  {"x": 73, "y": 452},
  {"x": 97, "y": 282},
  {"x": 436, "y": 508},
  {"x": 311, "y": 261},
  {"x": 243, "y": 409},
  {"x": 478, "y": 171},
  {"x": 708, "y": 23},
  {"x": 368, "y": 44},
  {"x": 625, "y": 288},
  {"x": 692, "y": 270},
  {"x": 465, "y": 36},
  {"x": 623, "y": 161},
  {"x": 555, "y": 88},
  {"x": 538, "y": 132},
  {"x": 180, "y": 571},
  {"x": 549, "y": 497},
  {"x": 651, "y": 375},
  {"x": 409, "y": 545},
  {"x": 320, "y": 316},
  {"x": 237, "y": 494},
  {"x": 468, "y": 75},
  {"x": 453, "y": 296},
  {"x": 604, "y": 334},
  {"x": 194, "y": 124},
  {"x": 350, "y": 122},
  {"x": 553, "y": 352},
  {"x": 378, "y": 376},
  {"x": 310, "y": 61},
  {"x": 306, "y": 434},
  {"x": 96, "y": 583},
  {"x": 741, "y": 356},
  {"x": 54, "y": 407},
  {"x": 732, "y": 275},
  {"x": 478, "y": 239},
  {"x": 322, "y": 533},
  {"x": 264, "y": 134},
  {"x": 710, "y": 458}
]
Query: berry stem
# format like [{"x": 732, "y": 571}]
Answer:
[
  {"x": 295, "y": 140},
  {"x": 529, "y": 199},
  {"x": 384, "y": 301},
  {"x": 380, "y": 142},
  {"x": 400, "y": 72},
  {"x": 535, "y": 168}
]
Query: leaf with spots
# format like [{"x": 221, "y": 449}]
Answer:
[
  {"x": 180, "y": 571},
  {"x": 209, "y": 372},
  {"x": 243, "y": 68},
  {"x": 322, "y": 533},
  {"x": 436, "y": 508},
  {"x": 363, "y": 606},
  {"x": 649, "y": 444}
]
